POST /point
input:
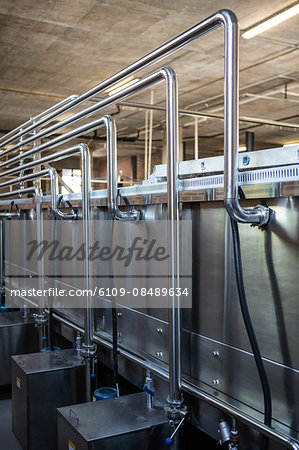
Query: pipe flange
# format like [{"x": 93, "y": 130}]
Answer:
[
  {"x": 175, "y": 410},
  {"x": 265, "y": 214},
  {"x": 88, "y": 351},
  {"x": 40, "y": 319}
]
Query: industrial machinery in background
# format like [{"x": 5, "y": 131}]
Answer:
[{"x": 229, "y": 363}]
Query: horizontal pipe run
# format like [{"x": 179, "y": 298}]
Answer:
[
  {"x": 8, "y": 215},
  {"x": 190, "y": 388},
  {"x": 147, "y": 81},
  {"x": 91, "y": 126},
  {"x": 54, "y": 190},
  {"x": 28, "y": 177},
  {"x": 258, "y": 215},
  {"x": 191, "y": 113},
  {"x": 18, "y": 192},
  {"x": 106, "y": 121},
  {"x": 211, "y": 23},
  {"x": 61, "y": 154},
  {"x": 14, "y": 133}
]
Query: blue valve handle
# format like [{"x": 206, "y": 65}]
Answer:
[
  {"x": 149, "y": 391},
  {"x": 168, "y": 441},
  {"x": 44, "y": 338},
  {"x": 92, "y": 375}
]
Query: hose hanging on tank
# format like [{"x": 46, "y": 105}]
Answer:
[
  {"x": 250, "y": 332},
  {"x": 115, "y": 332},
  {"x": 60, "y": 198}
]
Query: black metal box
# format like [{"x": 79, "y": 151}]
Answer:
[
  {"x": 17, "y": 335},
  {"x": 42, "y": 382},
  {"x": 113, "y": 424}
]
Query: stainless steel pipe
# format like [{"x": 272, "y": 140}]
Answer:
[
  {"x": 211, "y": 23},
  {"x": 257, "y": 215},
  {"x": 54, "y": 188},
  {"x": 17, "y": 192},
  {"x": 33, "y": 120},
  {"x": 112, "y": 189},
  {"x": 86, "y": 187}
]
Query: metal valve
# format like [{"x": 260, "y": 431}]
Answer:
[{"x": 169, "y": 440}]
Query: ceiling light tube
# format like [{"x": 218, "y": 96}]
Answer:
[
  {"x": 291, "y": 145},
  {"x": 271, "y": 21}
]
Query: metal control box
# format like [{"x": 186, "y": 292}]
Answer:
[
  {"x": 17, "y": 335},
  {"x": 42, "y": 382},
  {"x": 119, "y": 423}
]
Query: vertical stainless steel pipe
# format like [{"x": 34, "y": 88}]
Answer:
[
  {"x": 88, "y": 346},
  {"x": 172, "y": 124},
  {"x": 40, "y": 317},
  {"x": 259, "y": 214}
]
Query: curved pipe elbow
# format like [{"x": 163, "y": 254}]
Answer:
[
  {"x": 227, "y": 17},
  {"x": 293, "y": 445},
  {"x": 259, "y": 215},
  {"x": 133, "y": 214},
  {"x": 64, "y": 216},
  {"x": 57, "y": 213},
  {"x": 168, "y": 74}
]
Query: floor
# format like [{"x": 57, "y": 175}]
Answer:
[{"x": 8, "y": 440}]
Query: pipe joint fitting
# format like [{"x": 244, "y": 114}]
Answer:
[
  {"x": 175, "y": 410},
  {"x": 88, "y": 351},
  {"x": 264, "y": 213},
  {"x": 40, "y": 318}
]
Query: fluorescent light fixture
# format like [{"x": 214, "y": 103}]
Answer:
[
  {"x": 271, "y": 21},
  {"x": 243, "y": 149},
  {"x": 291, "y": 145},
  {"x": 121, "y": 85}
]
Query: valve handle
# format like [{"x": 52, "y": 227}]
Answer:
[{"x": 169, "y": 440}]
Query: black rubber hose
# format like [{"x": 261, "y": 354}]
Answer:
[
  {"x": 125, "y": 199},
  {"x": 12, "y": 204},
  {"x": 241, "y": 192},
  {"x": 250, "y": 332},
  {"x": 289, "y": 384},
  {"x": 277, "y": 299},
  {"x": 65, "y": 201}
]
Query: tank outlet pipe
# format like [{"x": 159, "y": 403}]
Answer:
[
  {"x": 149, "y": 389},
  {"x": 224, "y": 432},
  {"x": 40, "y": 317},
  {"x": 170, "y": 440}
]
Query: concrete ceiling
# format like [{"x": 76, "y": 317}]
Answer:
[{"x": 51, "y": 49}]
